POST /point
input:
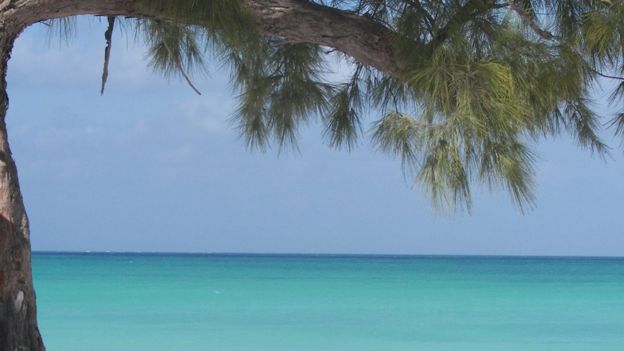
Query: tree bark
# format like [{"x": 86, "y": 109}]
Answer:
[
  {"x": 300, "y": 21},
  {"x": 295, "y": 20},
  {"x": 18, "y": 314}
]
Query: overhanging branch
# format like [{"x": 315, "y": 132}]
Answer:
[{"x": 299, "y": 21}]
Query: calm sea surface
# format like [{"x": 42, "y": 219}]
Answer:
[{"x": 237, "y": 302}]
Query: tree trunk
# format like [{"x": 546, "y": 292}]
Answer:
[
  {"x": 296, "y": 20},
  {"x": 18, "y": 313}
]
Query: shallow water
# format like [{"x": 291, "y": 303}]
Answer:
[{"x": 246, "y": 302}]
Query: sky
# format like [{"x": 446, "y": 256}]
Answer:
[{"x": 151, "y": 166}]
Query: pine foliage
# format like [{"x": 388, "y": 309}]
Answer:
[{"x": 479, "y": 82}]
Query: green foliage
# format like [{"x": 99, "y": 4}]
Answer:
[
  {"x": 172, "y": 47},
  {"x": 477, "y": 81},
  {"x": 342, "y": 122},
  {"x": 282, "y": 88},
  {"x": 63, "y": 28}
]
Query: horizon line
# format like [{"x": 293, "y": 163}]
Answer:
[{"x": 310, "y": 254}]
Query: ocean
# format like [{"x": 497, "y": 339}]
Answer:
[{"x": 153, "y": 302}]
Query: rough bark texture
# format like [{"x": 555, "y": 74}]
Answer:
[
  {"x": 366, "y": 41},
  {"x": 295, "y": 20},
  {"x": 18, "y": 315}
]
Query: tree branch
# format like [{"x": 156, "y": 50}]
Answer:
[
  {"x": 180, "y": 68},
  {"x": 299, "y": 21},
  {"x": 607, "y": 76},
  {"x": 531, "y": 22}
]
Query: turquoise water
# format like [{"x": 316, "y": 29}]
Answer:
[{"x": 236, "y": 302}]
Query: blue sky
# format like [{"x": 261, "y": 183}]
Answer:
[{"x": 150, "y": 166}]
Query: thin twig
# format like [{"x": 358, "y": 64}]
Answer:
[
  {"x": 606, "y": 75},
  {"x": 531, "y": 22},
  {"x": 180, "y": 68},
  {"x": 548, "y": 35}
]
